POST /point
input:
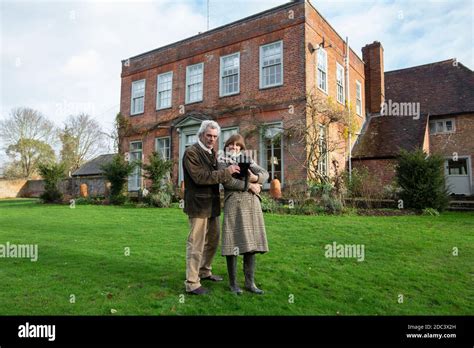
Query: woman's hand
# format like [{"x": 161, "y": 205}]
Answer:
[
  {"x": 233, "y": 169},
  {"x": 255, "y": 188},
  {"x": 252, "y": 177}
]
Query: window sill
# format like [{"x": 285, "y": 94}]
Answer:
[
  {"x": 322, "y": 90},
  {"x": 138, "y": 114},
  {"x": 194, "y": 102},
  {"x": 229, "y": 95},
  {"x": 166, "y": 108},
  {"x": 443, "y": 133},
  {"x": 270, "y": 87}
]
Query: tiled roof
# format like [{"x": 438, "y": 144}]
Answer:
[
  {"x": 385, "y": 136},
  {"x": 93, "y": 166},
  {"x": 441, "y": 88}
]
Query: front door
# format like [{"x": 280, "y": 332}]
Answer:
[
  {"x": 458, "y": 175},
  {"x": 188, "y": 137}
]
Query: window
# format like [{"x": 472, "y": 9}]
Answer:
[
  {"x": 432, "y": 128},
  {"x": 226, "y": 133},
  {"x": 323, "y": 151},
  {"x": 190, "y": 140},
  {"x": 358, "y": 98},
  {"x": 164, "y": 90},
  {"x": 138, "y": 97},
  {"x": 135, "y": 146},
  {"x": 230, "y": 75},
  {"x": 272, "y": 154},
  {"x": 194, "y": 82},
  {"x": 134, "y": 180},
  {"x": 448, "y": 126},
  {"x": 322, "y": 70},
  {"x": 458, "y": 167},
  {"x": 340, "y": 83},
  {"x": 271, "y": 65},
  {"x": 442, "y": 126},
  {"x": 162, "y": 146}
]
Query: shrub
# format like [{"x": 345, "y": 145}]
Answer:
[
  {"x": 307, "y": 207},
  {"x": 52, "y": 174},
  {"x": 364, "y": 186},
  {"x": 430, "y": 212},
  {"x": 391, "y": 191},
  {"x": 88, "y": 200},
  {"x": 421, "y": 179},
  {"x": 317, "y": 189},
  {"x": 161, "y": 199},
  {"x": 117, "y": 172},
  {"x": 332, "y": 205},
  {"x": 119, "y": 199},
  {"x": 156, "y": 170},
  {"x": 268, "y": 204}
]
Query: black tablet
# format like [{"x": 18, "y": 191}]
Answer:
[{"x": 244, "y": 167}]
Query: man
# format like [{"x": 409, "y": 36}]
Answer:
[{"x": 202, "y": 205}]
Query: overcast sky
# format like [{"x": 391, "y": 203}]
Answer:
[{"x": 64, "y": 57}]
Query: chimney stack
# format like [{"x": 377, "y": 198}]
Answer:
[{"x": 372, "y": 55}]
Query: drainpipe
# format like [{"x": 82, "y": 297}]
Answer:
[{"x": 348, "y": 102}]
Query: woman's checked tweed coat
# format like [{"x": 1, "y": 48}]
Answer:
[{"x": 243, "y": 230}]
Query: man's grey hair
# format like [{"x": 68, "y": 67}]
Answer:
[{"x": 209, "y": 124}]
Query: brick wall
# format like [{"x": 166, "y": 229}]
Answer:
[
  {"x": 382, "y": 169},
  {"x": 245, "y": 38},
  {"x": 11, "y": 188},
  {"x": 251, "y": 107},
  {"x": 296, "y": 25},
  {"x": 318, "y": 29},
  {"x": 374, "y": 74},
  {"x": 34, "y": 188},
  {"x": 460, "y": 142}
]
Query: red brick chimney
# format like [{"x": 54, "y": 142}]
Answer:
[{"x": 372, "y": 55}]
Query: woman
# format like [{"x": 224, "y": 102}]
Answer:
[{"x": 243, "y": 231}]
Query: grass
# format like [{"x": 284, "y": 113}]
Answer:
[{"x": 82, "y": 253}]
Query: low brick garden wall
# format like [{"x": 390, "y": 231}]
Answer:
[{"x": 34, "y": 188}]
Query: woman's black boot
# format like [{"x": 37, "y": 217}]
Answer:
[
  {"x": 232, "y": 270},
  {"x": 249, "y": 271}
]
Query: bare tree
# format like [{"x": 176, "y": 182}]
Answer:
[
  {"x": 82, "y": 139},
  {"x": 323, "y": 131},
  {"x": 113, "y": 134},
  {"x": 28, "y": 138}
]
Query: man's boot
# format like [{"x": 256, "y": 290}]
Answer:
[
  {"x": 232, "y": 270},
  {"x": 249, "y": 271}
]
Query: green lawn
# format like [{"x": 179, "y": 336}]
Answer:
[{"x": 81, "y": 253}]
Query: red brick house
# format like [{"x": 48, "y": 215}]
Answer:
[
  {"x": 434, "y": 106},
  {"x": 256, "y": 71}
]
